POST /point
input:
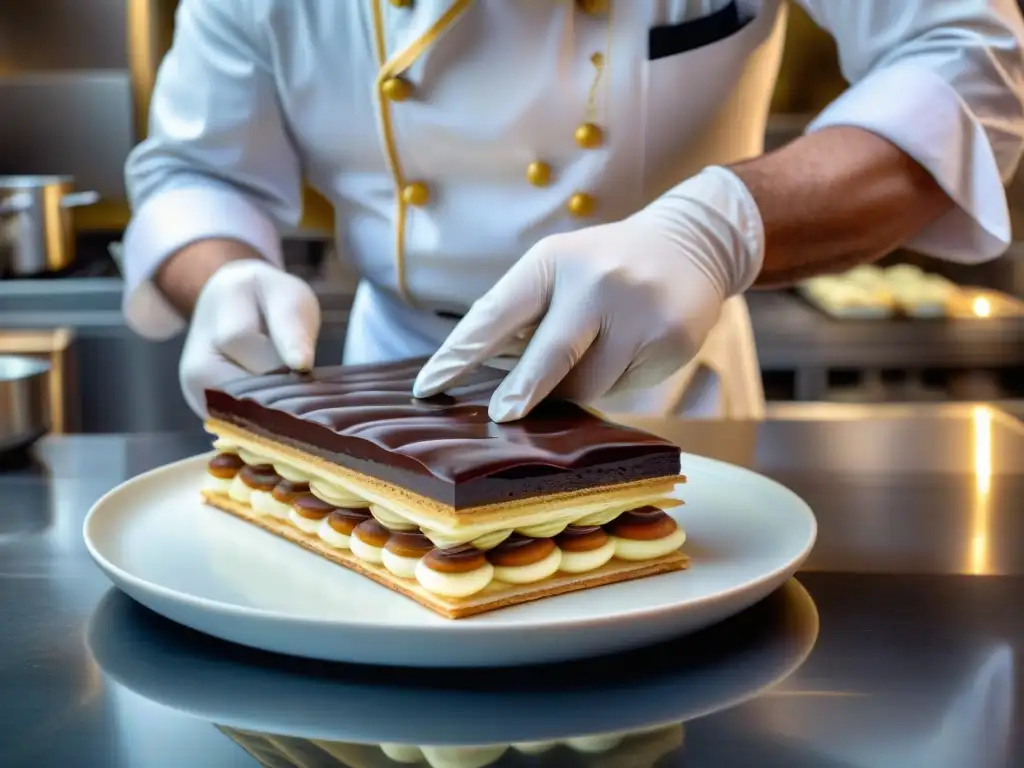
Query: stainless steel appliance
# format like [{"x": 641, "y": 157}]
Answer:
[
  {"x": 36, "y": 231},
  {"x": 24, "y": 401}
]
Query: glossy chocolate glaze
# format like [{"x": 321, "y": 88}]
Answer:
[
  {"x": 582, "y": 538},
  {"x": 288, "y": 491},
  {"x": 445, "y": 448},
  {"x": 642, "y": 524},
  {"x": 372, "y": 533},
  {"x": 344, "y": 520},
  {"x": 225, "y": 465},
  {"x": 310, "y": 507},
  {"x": 458, "y": 559},
  {"x": 519, "y": 550},
  {"x": 408, "y": 544},
  {"x": 261, "y": 477}
]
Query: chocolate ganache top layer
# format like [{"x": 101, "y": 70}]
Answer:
[{"x": 446, "y": 448}]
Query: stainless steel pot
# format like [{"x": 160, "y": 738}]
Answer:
[
  {"x": 36, "y": 233},
  {"x": 24, "y": 401}
]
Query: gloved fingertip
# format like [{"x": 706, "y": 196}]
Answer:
[
  {"x": 421, "y": 391},
  {"x": 439, "y": 373},
  {"x": 507, "y": 405},
  {"x": 504, "y": 412},
  {"x": 427, "y": 384},
  {"x": 299, "y": 356}
]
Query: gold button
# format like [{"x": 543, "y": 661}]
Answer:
[
  {"x": 538, "y": 173},
  {"x": 593, "y": 6},
  {"x": 396, "y": 89},
  {"x": 416, "y": 194},
  {"x": 401, "y": 3},
  {"x": 581, "y": 204},
  {"x": 589, "y": 136}
]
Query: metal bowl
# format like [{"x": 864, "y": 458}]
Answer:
[{"x": 24, "y": 401}]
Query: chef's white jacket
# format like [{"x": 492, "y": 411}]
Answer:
[{"x": 431, "y": 190}]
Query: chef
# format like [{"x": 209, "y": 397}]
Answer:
[{"x": 574, "y": 190}]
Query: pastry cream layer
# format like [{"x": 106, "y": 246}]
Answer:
[
  {"x": 453, "y": 583},
  {"x": 539, "y": 523},
  {"x": 265, "y": 504},
  {"x": 533, "y": 518},
  {"x": 581, "y": 562}
]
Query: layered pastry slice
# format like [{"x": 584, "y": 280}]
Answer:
[{"x": 431, "y": 498}]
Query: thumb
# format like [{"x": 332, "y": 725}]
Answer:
[{"x": 291, "y": 311}]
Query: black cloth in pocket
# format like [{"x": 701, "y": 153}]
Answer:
[{"x": 671, "y": 39}]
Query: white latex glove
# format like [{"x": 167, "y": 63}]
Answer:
[
  {"x": 250, "y": 318},
  {"x": 617, "y": 306}
]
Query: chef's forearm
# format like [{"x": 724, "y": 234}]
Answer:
[
  {"x": 182, "y": 276},
  {"x": 837, "y": 198}
]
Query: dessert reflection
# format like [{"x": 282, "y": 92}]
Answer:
[
  {"x": 640, "y": 749},
  {"x": 627, "y": 710}
]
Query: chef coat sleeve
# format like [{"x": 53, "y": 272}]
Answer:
[
  {"x": 218, "y": 161},
  {"x": 944, "y": 81}
]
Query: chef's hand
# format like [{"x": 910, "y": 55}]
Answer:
[
  {"x": 616, "y": 306},
  {"x": 250, "y": 318}
]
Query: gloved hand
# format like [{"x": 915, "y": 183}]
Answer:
[
  {"x": 618, "y": 306},
  {"x": 250, "y": 318}
]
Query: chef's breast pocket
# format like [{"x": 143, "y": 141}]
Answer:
[{"x": 693, "y": 66}]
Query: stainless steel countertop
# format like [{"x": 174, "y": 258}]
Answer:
[{"x": 916, "y": 585}]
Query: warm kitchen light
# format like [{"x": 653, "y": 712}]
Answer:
[
  {"x": 981, "y": 307},
  {"x": 982, "y": 450}
]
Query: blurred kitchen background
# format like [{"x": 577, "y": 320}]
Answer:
[{"x": 75, "y": 78}]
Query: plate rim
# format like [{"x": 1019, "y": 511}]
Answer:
[{"x": 116, "y": 574}]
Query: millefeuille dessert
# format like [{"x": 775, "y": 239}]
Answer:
[{"x": 431, "y": 498}]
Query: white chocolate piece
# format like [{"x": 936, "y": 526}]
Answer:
[
  {"x": 403, "y": 567},
  {"x": 264, "y": 503},
  {"x": 529, "y": 574},
  {"x": 390, "y": 520},
  {"x": 331, "y": 537},
  {"x": 581, "y": 562},
  {"x": 544, "y": 530},
  {"x": 290, "y": 473},
  {"x": 463, "y": 757},
  {"x": 635, "y": 550},
  {"x": 252, "y": 459},
  {"x": 239, "y": 491},
  {"x": 594, "y": 744},
  {"x": 333, "y": 494},
  {"x": 304, "y": 523},
  {"x": 402, "y": 753},
  {"x": 364, "y": 551},
  {"x": 454, "y": 584},
  {"x": 217, "y": 484}
]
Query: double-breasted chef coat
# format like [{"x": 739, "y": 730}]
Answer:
[{"x": 447, "y": 133}]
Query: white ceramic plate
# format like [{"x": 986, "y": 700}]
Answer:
[{"x": 210, "y": 571}]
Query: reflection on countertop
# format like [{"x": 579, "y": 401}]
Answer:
[{"x": 333, "y": 714}]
